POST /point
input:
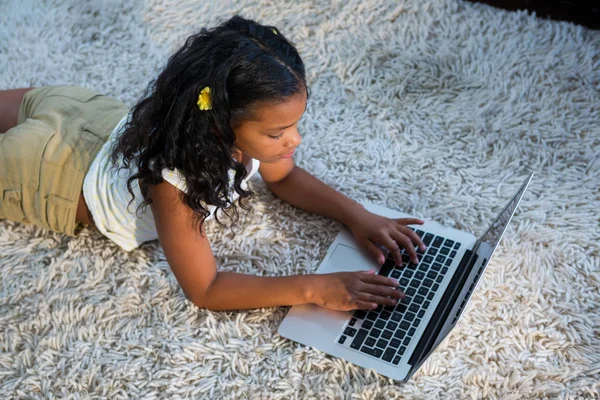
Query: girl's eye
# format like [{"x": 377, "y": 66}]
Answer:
[{"x": 276, "y": 137}]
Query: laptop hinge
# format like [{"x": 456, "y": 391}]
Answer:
[{"x": 438, "y": 319}]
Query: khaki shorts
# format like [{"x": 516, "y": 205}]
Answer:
[{"x": 44, "y": 159}]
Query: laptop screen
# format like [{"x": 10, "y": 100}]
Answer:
[
  {"x": 494, "y": 233},
  {"x": 492, "y": 236}
]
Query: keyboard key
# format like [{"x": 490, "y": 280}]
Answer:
[
  {"x": 431, "y": 274},
  {"x": 427, "y": 282},
  {"x": 410, "y": 291},
  {"x": 427, "y": 239},
  {"x": 395, "y": 274},
  {"x": 404, "y": 282},
  {"x": 411, "y": 332},
  {"x": 408, "y": 273},
  {"x": 448, "y": 262},
  {"x": 395, "y": 343},
  {"x": 409, "y": 316},
  {"x": 428, "y": 259},
  {"x": 456, "y": 246},
  {"x": 430, "y": 295},
  {"x": 404, "y": 325},
  {"x": 440, "y": 258},
  {"x": 445, "y": 250},
  {"x": 401, "y": 350},
  {"x": 444, "y": 270},
  {"x": 423, "y": 291},
  {"x": 405, "y": 258},
  {"x": 372, "y": 316},
  {"x": 423, "y": 267},
  {"x": 375, "y": 332},
  {"x": 387, "y": 267},
  {"x": 392, "y": 325},
  {"x": 375, "y": 352},
  {"x": 419, "y": 232},
  {"x": 367, "y": 324},
  {"x": 419, "y": 299},
  {"x": 396, "y": 360},
  {"x": 439, "y": 278},
  {"x": 396, "y": 316},
  {"x": 415, "y": 283},
  {"x": 416, "y": 321},
  {"x": 350, "y": 331},
  {"x": 385, "y": 315},
  {"x": 421, "y": 313},
  {"x": 436, "y": 266},
  {"x": 370, "y": 341},
  {"x": 387, "y": 334},
  {"x": 449, "y": 243},
  {"x": 413, "y": 307},
  {"x": 382, "y": 343},
  {"x": 435, "y": 287},
  {"x": 399, "y": 333},
  {"x": 426, "y": 304},
  {"x": 432, "y": 251},
  {"x": 419, "y": 275},
  {"x": 437, "y": 242},
  {"x": 360, "y": 314},
  {"x": 453, "y": 254},
  {"x": 360, "y": 337},
  {"x": 389, "y": 308},
  {"x": 352, "y": 322},
  {"x": 342, "y": 339},
  {"x": 378, "y": 309},
  {"x": 380, "y": 324},
  {"x": 401, "y": 309},
  {"x": 389, "y": 354},
  {"x": 406, "y": 340}
]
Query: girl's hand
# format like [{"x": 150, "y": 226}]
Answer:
[
  {"x": 346, "y": 291},
  {"x": 369, "y": 229}
]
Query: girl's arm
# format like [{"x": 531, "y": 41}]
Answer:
[
  {"x": 299, "y": 188},
  {"x": 191, "y": 259},
  {"x": 294, "y": 185}
]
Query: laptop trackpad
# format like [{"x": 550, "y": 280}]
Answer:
[{"x": 346, "y": 258}]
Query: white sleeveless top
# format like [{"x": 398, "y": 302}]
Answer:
[{"x": 106, "y": 195}]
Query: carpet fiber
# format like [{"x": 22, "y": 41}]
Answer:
[{"x": 435, "y": 108}]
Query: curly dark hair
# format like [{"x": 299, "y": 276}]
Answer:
[{"x": 244, "y": 63}]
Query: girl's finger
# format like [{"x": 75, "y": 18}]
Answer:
[
  {"x": 375, "y": 279},
  {"x": 409, "y": 221},
  {"x": 392, "y": 246},
  {"x": 414, "y": 236},
  {"x": 373, "y": 298},
  {"x": 364, "y": 305},
  {"x": 383, "y": 291},
  {"x": 404, "y": 240},
  {"x": 373, "y": 250}
]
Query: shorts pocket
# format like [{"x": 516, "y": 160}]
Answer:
[
  {"x": 60, "y": 214},
  {"x": 21, "y": 150},
  {"x": 12, "y": 207}
]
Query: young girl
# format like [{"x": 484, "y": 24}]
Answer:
[{"x": 226, "y": 105}]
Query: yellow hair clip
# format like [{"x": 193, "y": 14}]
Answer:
[{"x": 204, "y": 100}]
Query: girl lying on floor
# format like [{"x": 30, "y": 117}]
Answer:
[{"x": 226, "y": 105}]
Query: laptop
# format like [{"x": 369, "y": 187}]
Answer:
[{"x": 396, "y": 340}]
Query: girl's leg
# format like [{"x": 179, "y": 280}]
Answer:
[{"x": 10, "y": 101}]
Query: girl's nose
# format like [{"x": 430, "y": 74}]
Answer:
[{"x": 294, "y": 140}]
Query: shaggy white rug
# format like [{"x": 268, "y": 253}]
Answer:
[{"x": 436, "y": 108}]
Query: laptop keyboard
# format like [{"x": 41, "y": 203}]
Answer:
[{"x": 386, "y": 331}]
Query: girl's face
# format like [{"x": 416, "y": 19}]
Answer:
[{"x": 272, "y": 134}]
